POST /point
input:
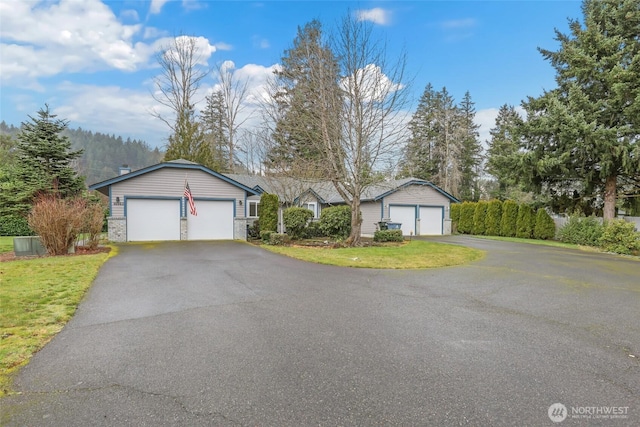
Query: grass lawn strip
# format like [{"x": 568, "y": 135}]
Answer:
[
  {"x": 553, "y": 243},
  {"x": 37, "y": 298},
  {"x": 6, "y": 244},
  {"x": 410, "y": 255}
]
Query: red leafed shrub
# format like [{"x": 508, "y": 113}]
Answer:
[{"x": 57, "y": 221}]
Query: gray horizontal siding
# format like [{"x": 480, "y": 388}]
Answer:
[
  {"x": 169, "y": 182},
  {"x": 371, "y": 212},
  {"x": 416, "y": 195}
]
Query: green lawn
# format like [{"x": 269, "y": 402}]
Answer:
[
  {"x": 410, "y": 255},
  {"x": 6, "y": 244},
  {"x": 38, "y": 296}
]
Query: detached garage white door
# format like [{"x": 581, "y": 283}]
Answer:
[
  {"x": 149, "y": 219},
  {"x": 431, "y": 221},
  {"x": 214, "y": 221},
  {"x": 405, "y": 215}
]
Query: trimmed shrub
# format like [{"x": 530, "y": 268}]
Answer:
[
  {"x": 268, "y": 212},
  {"x": 295, "y": 221},
  {"x": 509, "y": 219},
  {"x": 388, "y": 236},
  {"x": 253, "y": 232},
  {"x": 581, "y": 231},
  {"x": 467, "y": 211},
  {"x": 479, "y": 218},
  {"x": 335, "y": 221},
  {"x": 278, "y": 239},
  {"x": 619, "y": 236},
  {"x": 455, "y": 213},
  {"x": 58, "y": 222},
  {"x": 545, "y": 228},
  {"x": 525, "y": 222},
  {"x": 493, "y": 218},
  {"x": 265, "y": 236},
  {"x": 313, "y": 230},
  {"x": 14, "y": 225}
]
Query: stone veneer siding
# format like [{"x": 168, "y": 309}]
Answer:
[{"x": 117, "y": 229}]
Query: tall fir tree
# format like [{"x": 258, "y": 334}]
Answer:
[
  {"x": 471, "y": 159},
  {"x": 419, "y": 160},
  {"x": 502, "y": 152},
  {"x": 213, "y": 120},
  {"x": 188, "y": 142},
  {"x": 584, "y": 135}
]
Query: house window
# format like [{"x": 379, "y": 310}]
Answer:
[
  {"x": 313, "y": 207},
  {"x": 254, "y": 208}
]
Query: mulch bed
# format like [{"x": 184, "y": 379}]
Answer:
[{"x": 80, "y": 250}]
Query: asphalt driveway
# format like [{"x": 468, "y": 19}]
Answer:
[{"x": 224, "y": 333}]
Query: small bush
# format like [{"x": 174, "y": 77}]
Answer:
[
  {"x": 93, "y": 219},
  {"x": 509, "y": 219},
  {"x": 388, "y": 236},
  {"x": 265, "y": 235},
  {"x": 253, "y": 231},
  {"x": 335, "y": 221},
  {"x": 525, "y": 222},
  {"x": 619, "y": 236},
  {"x": 545, "y": 228},
  {"x": 493, "y": 218},
  {"x": 278, "y": 239},
  {"x": 581, "y": 231},
  {"x": 14, "y": 225},
  {"x": 295, "y": 221},
  {"x": 58, "y": 222},
  {"x": 479, "y": 218},
  {"x": 313, "y": 230},
  {"x": 467, "y": 211},
  {"x": 269, "y": 212}
]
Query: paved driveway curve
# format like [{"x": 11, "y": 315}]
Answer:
[{"x": 224, "y": 333}]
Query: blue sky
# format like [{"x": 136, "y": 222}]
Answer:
[{"x": 93, "y": 62}]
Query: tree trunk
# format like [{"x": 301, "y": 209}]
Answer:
[
  {"x": 610, "y": 192},
  {"x": 356, "y": 223}
]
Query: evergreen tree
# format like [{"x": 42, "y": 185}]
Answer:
[
  {"x": 187, "y": 142},
  {"x": 213, "y": 122},
  {"x": 583, "y": 135},
  {"x": 297, "y": 135},
  {"x": 508, "y": 224},
  {"x": 502, "y": 153},
  {"x": 471, "y": 156},
  {"x": 419, "y": 160},
  {"x": 494, "y": 218}
]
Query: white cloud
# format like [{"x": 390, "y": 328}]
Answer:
[
  {"x": 190, "y": 5},
  {"x": 486, "y": 119},
  {"x": 223, "y": 46},
  {"x": 372, "y": 83},
  {"x": 261, "y": 43},
  {"x": 44, "y": 39},
  {"x": 376, "y": 15},
  {"x": 203, "y": 49},
  {"x": 455, "y": 24},
  {"x": 156, "y": 6}
]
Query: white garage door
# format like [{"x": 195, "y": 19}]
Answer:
[
  {"x": 214, "y": 221},
  {"x": 149, "y": 219},
  {"x": 431, "y": 221},
  {"x": 405, "y": 215}
]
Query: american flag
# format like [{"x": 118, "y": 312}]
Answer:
[{"x": 189, "y": 196}]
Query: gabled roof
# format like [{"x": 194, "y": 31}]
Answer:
[
  {"x": 175, "y": 164},
  {"x": 326, "y": 192}
]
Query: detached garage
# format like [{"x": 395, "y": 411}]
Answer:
[{"x": 151, "y": 205}]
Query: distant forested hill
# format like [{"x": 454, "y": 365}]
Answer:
[{"x": 103, "y": 154}]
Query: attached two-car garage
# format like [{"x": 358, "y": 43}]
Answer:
[
  {"x": 418, "y": 220},
  {"x": 159, "y": 219}
]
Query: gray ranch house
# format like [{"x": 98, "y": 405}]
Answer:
[{"x": 150, "y": 205}]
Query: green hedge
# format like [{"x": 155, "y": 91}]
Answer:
[
  {"x": 509, "y": 219},
  {"x": 295, "y": 221},
  {"x": 493, "y": 218},
  {"x": 467, "y": 211},
  {"x": 545, "y": 228},
  {"x": 455, "y": 213},
  {"x": 268, "y": 212},
  {"x": 388, "y": 236},
  {"x": 479, "y": 218},
  {"x": 335, "y": 221},
  {"x": 525, "y": 222}
]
